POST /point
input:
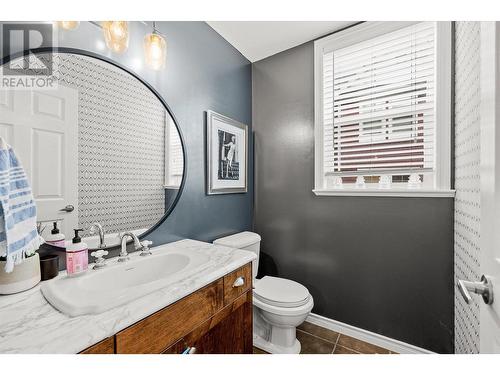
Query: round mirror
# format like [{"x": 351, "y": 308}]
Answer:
[{"x": 99, "y": 145}]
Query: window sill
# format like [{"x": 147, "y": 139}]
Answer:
[{"x": 420, "y": 193}]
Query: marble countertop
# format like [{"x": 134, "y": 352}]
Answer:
[{"x": 29, "y": 324}]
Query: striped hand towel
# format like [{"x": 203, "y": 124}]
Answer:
[{"x": 18, "y": 233}]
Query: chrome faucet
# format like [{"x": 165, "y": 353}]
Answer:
[
  {"x": 123, "y": 253},
  {"x": 102, "y": 244}
]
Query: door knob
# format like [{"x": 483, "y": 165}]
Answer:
[
  {"x": 68, "y": 208},
  {"x": 483, "y": 287}
]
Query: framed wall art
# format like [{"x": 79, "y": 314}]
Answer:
[{"x": 227, "y": 155}]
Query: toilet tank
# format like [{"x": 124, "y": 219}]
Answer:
[{"x": 246, "y": 241}]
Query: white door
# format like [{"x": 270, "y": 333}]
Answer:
[
  {"x": 490, "y": 182},
  {"x": 488, "y": 288},
  {"x": 42, "y": 128}
]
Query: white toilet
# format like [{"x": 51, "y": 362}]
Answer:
[{"x": 279, "y": 305}]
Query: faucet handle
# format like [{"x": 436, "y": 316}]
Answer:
[
  {"x": 99, "y": 258},
  {"x": 145, "y": 247},
  {"x": 99, "y": 253}
]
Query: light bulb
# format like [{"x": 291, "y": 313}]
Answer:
[
  {"x": 155, "y": 49},
  {"x": 68, "y": 25},
  {"x": 116, "y": 35}
]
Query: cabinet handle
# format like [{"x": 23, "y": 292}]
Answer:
[
  {"x": 189, "y": 350},
  {"x": 240, "y": 281}
]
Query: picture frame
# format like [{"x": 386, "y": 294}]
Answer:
[{"x": 227, "y": 155}]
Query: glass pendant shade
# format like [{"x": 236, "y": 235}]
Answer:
[
  {"x": 68, "y": 25},
  {"x": 116, "y": 35},
  {"x": 155, "y": 50}
]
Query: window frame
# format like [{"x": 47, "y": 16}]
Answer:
[{"x": 443, "y": 108}]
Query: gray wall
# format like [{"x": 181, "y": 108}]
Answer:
[
  {"x": 382, "y": 264},
  {"x": 203, "y": 72}
]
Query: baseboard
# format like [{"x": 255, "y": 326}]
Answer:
[{"x": 367, "y": 336}]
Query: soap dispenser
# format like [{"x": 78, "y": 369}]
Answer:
[
  {"x": 55, "y": 238},
  {"x": 77, "y": 258}
]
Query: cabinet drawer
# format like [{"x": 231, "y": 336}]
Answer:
[
  {"x": 160, "y": 330},
  {"x": 106, "y": 346},
  {"x": 228, "y": 331},
  {"x": 232, "y": 289}
]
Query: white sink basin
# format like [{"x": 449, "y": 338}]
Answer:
[{"x": 96, "y": 291}]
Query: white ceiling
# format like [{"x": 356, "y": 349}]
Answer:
[{"x": 257, "y": 40}]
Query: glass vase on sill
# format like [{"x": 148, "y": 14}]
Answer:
[
  {"x": 338, "y": 183},
  {"x": 385, "y": 182},
  {"x": 360, "y": 182},
  {"x": 414, "y": 182}
]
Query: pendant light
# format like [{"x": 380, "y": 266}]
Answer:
[
  {"x": 116, "y": 35},
  {"x": 68, "y": 25},
  {"x": 155, "y": 49}
]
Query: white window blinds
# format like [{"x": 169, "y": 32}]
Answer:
[
  {"x": 174, "y": 163},
  {"x": 378, "y": 105}
]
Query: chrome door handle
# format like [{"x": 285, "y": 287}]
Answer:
[
  {"x": 240, "y": 281},
  {"x": 68, "y": 208},
  {"x": 483, "y": 287}
]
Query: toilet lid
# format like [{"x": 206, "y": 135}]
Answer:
[{"x": 281, "y": 292}]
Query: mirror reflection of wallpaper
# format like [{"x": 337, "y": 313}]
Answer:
[{"x": 121, "y": 151}]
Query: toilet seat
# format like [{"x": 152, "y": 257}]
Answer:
[{"x": 278, "y": 292}]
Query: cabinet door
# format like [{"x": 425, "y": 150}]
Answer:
[
  {"x": 160, "y": 330},
  {"x": 227, "y": 332}
]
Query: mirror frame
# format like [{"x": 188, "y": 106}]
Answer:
[{"x": 4, "y": 60}]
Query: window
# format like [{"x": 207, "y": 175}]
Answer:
[{"x": 383, "y": 110}]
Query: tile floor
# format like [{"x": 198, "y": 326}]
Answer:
[{"x": 318, "y": 340}]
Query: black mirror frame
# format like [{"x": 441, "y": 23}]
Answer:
[{"x": 76, "y": 51}]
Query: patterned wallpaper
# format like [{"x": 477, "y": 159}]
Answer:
[
  {"x": 467, "y": 182},
  {"x": 121, "y": 145}
]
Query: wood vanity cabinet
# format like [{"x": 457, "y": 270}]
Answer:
[
  {"x": 214, "y": 319},
  {"x": 106, "y": 346}
]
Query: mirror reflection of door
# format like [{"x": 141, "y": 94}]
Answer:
[
  {"x": 100, "y": 147},
  {"x": 42, "y": 128}
]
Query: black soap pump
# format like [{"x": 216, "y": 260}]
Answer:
[
  {"x": 55, "y": 238},
  {"x": 77, "y": 238}
]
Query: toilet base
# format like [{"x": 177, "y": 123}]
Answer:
[
  {"x": 269, "y": 347},
  {"x": 274, "y": 328}
]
